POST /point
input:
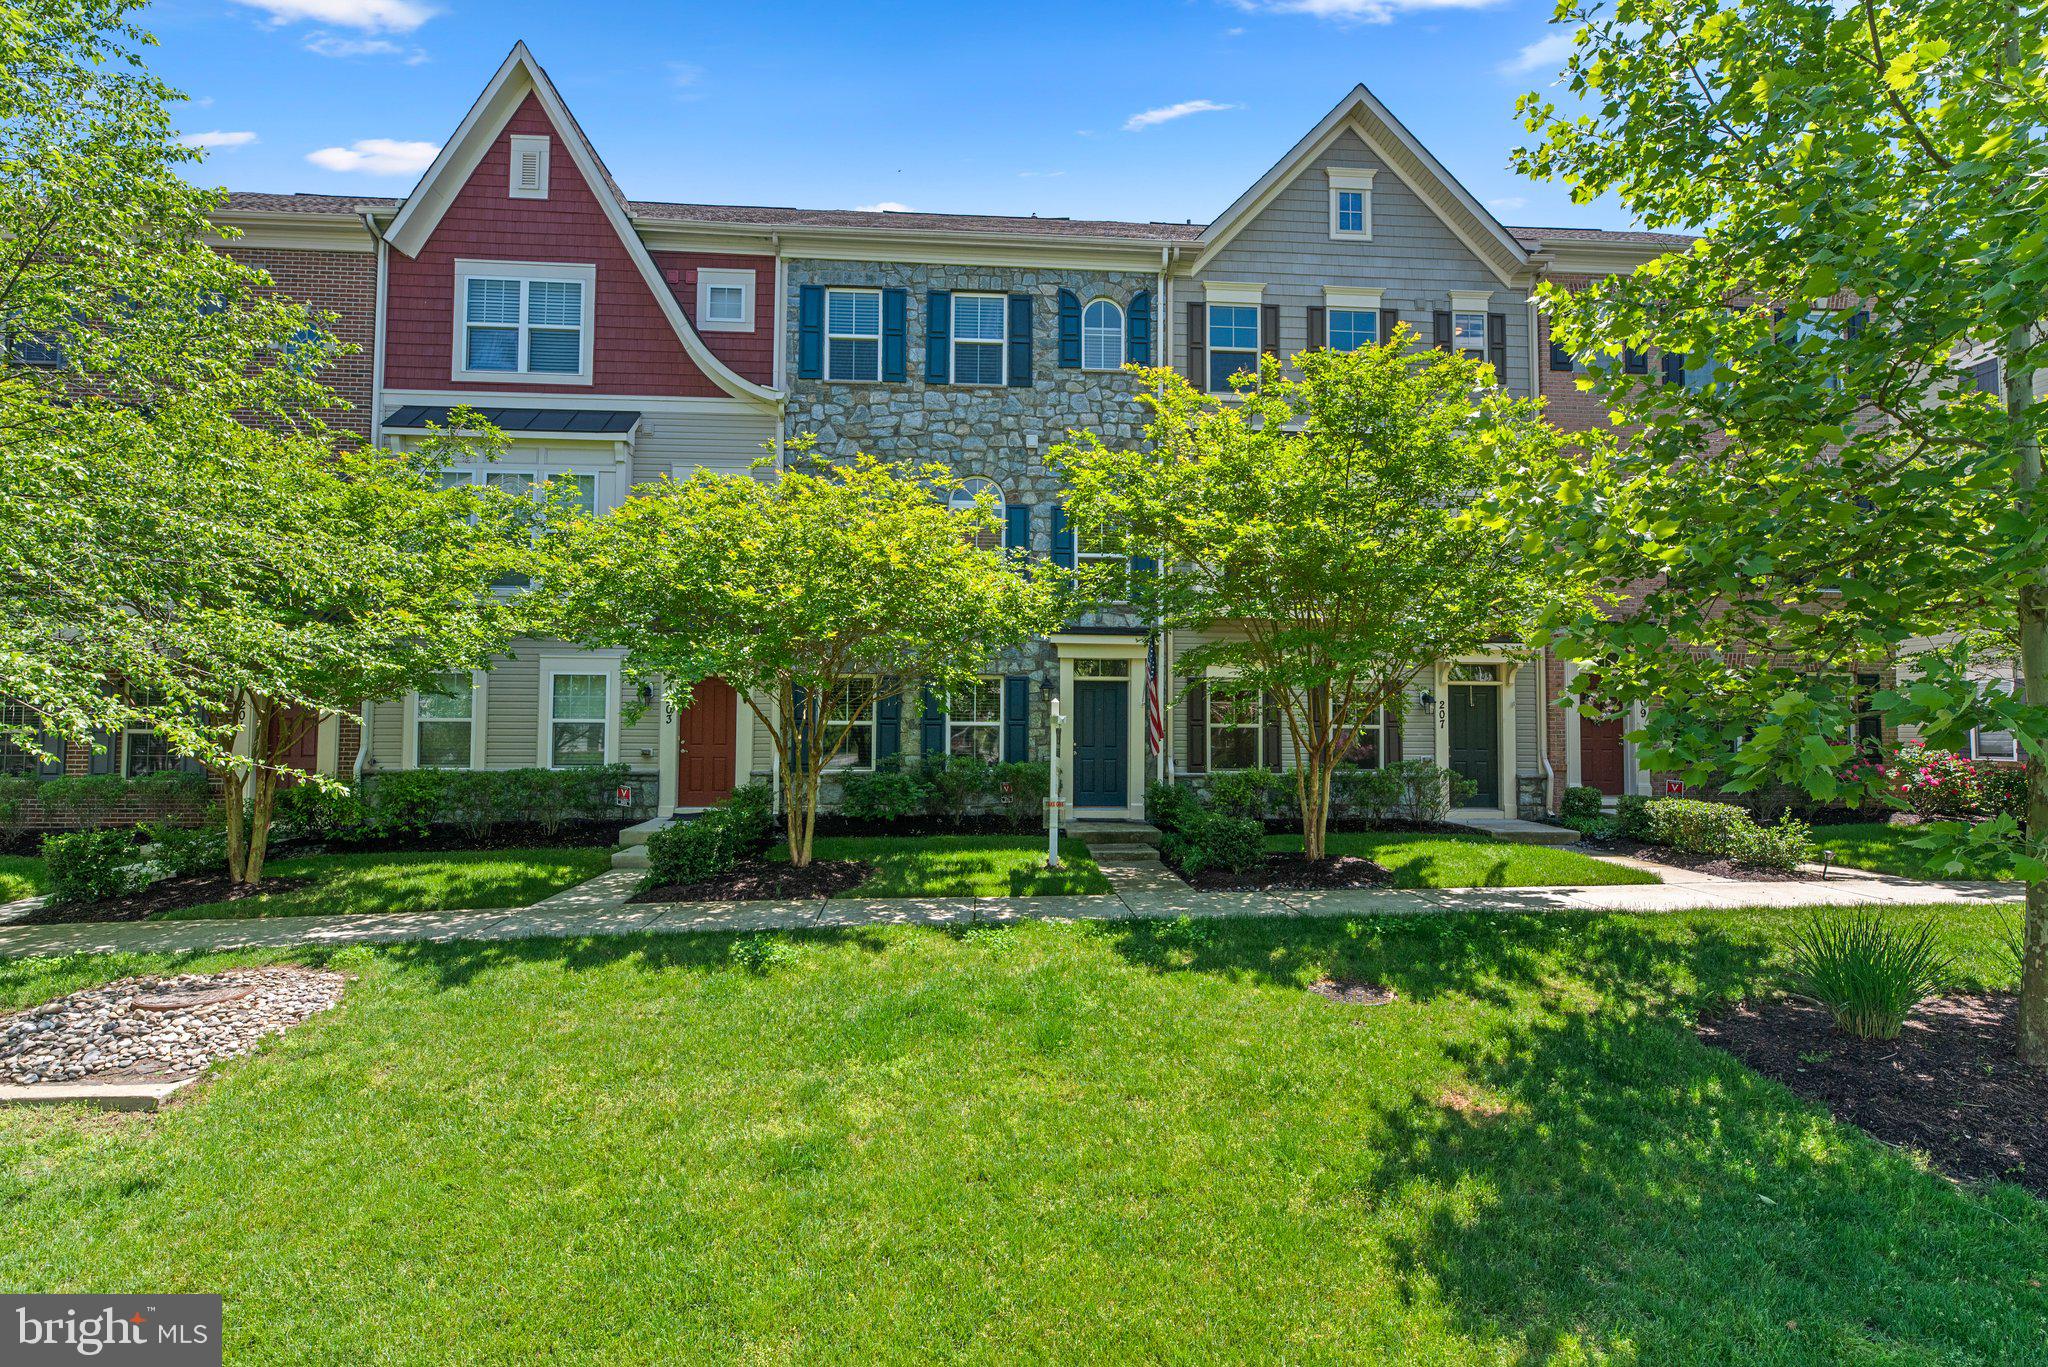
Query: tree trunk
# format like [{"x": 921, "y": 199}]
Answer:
[
  {"x": 262, "y": 804},
  {"x": 1312, "y": 786},
  {"x": 2019, "y": 396},
  {"x": 231, "y": 786},
  {"x": 799, "y": 818}
]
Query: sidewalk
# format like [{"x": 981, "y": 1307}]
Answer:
[{"x": 599, "y": 907}]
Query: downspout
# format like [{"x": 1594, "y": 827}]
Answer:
[
  {"x": 1165, "y": 358},
  {"x": 376, "y": 437},
  {"x": 780, "y": 374},
  {"x": 1550, "y": 793}
]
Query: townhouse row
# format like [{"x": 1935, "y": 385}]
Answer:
[{"x": 616, "y": 341}]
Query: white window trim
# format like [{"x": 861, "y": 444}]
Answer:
[
  {"x": 1382, "y": 722},
  {"x": 1471, "y": 301},
  {"x": 875, "y": 336},
  {"x": 726, "y": 278},
  {"x": 466, "y": 270},
  {"x": 1121, "y": 330},
  {"x": 550, "y": 666},
  {"x": 1081, "y": 553},
  {"x": 996, "y": 726},
  {"x": 1357, "y": 180},
  {"x": 1001, "y": 344},
  {"x": 1230, "y": 683},
  {"x": 522, "y": 143},
  {"x": 845, "y": 762},
  {"x": 1233, "y": 292},
  {"x": 411, "y": 747},
  {"x": 1353, "y": 297},
  {"x": 1260, "y": 343}
]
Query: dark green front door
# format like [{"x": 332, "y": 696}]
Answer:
[
  {"x": 1475, "y": 740},
  {"x": 1101, "y": 767}
]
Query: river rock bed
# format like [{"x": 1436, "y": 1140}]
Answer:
[{"x": 159, "y": 1028}]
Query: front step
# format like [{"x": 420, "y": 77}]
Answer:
[
  {"x": 632, "y": 857},
  {"x": 638, "y": 834},
  {"x": 1112, "y": 832}
]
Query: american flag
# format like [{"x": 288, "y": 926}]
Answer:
[{"x": 1155, "y": 706}]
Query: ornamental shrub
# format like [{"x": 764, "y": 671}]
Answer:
[
  {"x": 1367, "y": 794},
  {"x": 1709, "y": 828},
  {"x": 2002, "y": 788},
  {"x": 1252, "y": 794},
  {"x": 1580, "y": 804},
  {"x": 888, "y": 794},
  {"x": 1632, "y": 815},
  {"x": 90, "y": 866},
  {"x": 711, "y": 844},
  {"x": 956, "y": 785},
  {"x": 1215, "y": 840},
  {"x": 175, "y": 793},
  {"x": 1428, "y": 793},
  {"x": 86, "y": 801},
  {"x": 1171, "y": 806},
  {"x": 307, "y": 811},
  {"x": 1784, "y": 846},
  {"x": 1936, "y": 782},
  {"x": 1867, "y": 971},
  {"x": 18, "y": 799},
  {"x": 1021, "y": 790},
  {"x": 188, "y": 851}
]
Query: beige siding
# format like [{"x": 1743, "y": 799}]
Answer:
[
  {"x": 511, "y": 710},
  {"x": 1529, "y": 718},
  {"x": 675, "y": 443}
]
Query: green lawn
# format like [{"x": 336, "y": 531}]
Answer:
[
  {"x": 962, "y": 865},
  {"x": 1883, "y": 849},
  {"x": 1068, "y": 1143},
  {"x": 22, "y": 875},
  {"x": 1470, "y": 861},
  {"x": 443, "y": 881}
]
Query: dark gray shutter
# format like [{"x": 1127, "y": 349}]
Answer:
[
  {"x": 1269, "y": 731},
  {"x": 895, "y": 344},
  {"x": 1020, "y": 340},
  {"x": 1497, "y": 345},
  {"x": 1390, "y": 748},
  {"x": 1389, "y": 320},
  {"x": 1070, "y": 330},
  {"x": 1198, "y": 345},
  {"x": 1318, "y": 326},
  {"x": 938, "y": 337},
  {"x": 1016, "y": 718},
  {"x": 1197, "y": 711},
  {"x": 107, "y": 758},
  {"x": 931, "y": 731},
  {"x": 1269, "y": 330},
  {"x": 1672, "y": 363},
  {"x": 1440, "y": 329},
  {"x": 810, "y": 332},
  {"x": 1062, "y": 538},
  {"x": 1561, "y": 357},
  {"x": 889, "y": 726}
]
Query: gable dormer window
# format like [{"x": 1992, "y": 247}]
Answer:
[
  {"x": 523, "y": 322},
  {"x": 1350, "y": 204},
  {"x": 529, "y": 166}
]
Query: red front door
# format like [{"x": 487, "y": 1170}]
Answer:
[
  {"x": 298, "y": 731},
  {"x": 706, "y": 734}
]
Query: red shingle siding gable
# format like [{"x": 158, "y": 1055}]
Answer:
[
  {"x": 635, "y": 350},
  {"x": 750, "y": 354}
]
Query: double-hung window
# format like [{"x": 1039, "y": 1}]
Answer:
[
  {"x": 579, "y": 719},
  {"x": 1233, "y": 343},
  {"x": 1234, "y": 716},
  {"x": 515, "y": 484},
  {"x": 524, "y": 322},
  {"x": 853, "y": 335},
  {"x": 978, "y": 338},
  {"x": 1102, "y": 336},
  {"x": 974, "y": 721},
  {"x": 1468, "y": 332},
  {"x": 1369, "y": 748},
  {"x": 445, "y": 723},
  {"x": 1351, "y": 329},
  {"x": 146, "y": 752},
  {"x": 850, "y": 707},
  {"x": 1350, "y": 203}
]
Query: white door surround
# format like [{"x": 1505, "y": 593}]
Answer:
[{"x": 1130, "y": 647}]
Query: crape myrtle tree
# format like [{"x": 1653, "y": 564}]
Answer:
[
  {"x": 1841, "y": 478},
  {"x": 186, "y": 544},
  {"x": 1318, "y": 527},
  {"x": 817, "y": 592}
]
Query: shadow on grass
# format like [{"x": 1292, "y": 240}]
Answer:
[
  {"x": 458, "y": 963},
  {"x": 1599, "y": 1185}
]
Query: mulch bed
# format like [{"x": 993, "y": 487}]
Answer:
[
  {"x": 1713, "y": 865},
  {"x": 1951, "y": 1085},
  {"x": 761, "y": 880},
  {"x": 166, "y": 895},
  {"x": 1295, "y": 871},
  {"x": 1353, "y": 991}
]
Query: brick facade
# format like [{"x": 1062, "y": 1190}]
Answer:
[{"x": 343, "y": 284}]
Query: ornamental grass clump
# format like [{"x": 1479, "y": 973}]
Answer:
[{"x": 1868, "y": 972}]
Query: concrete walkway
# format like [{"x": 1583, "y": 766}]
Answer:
[{"x": 599, "y": 907}]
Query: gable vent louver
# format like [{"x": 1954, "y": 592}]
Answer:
[{"x": 529, "y": 166}]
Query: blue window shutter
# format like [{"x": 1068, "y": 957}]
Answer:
[
  {"x": 1016, "y": 718},
  {"x": 810, "y": 332},
  {"x": 938, "y": 337},
  {"x": 931, "y": 731},
  {"x": 1062, "y": 538},
  {"x": 1138, "y": 329},
  {"x": 1144, "y": 564},
  {"x": 803, "y": 726},
  {"x": 1070, "y": 331},
  {"x": 889, "y": 723},
  {"x": 1020, "y": 341},
  {"x": 106, "y": 759},
  {"x": 1017, "y": 528},
  {"x": 895, "y": 304}
]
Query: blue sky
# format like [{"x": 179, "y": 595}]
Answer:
[{"x": 1162, "y": 110}]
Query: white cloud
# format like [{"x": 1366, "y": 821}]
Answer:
[
  {"x": 218, "y": 138},
  {"x": 377, "y": 157},
  {"x": 331, "y": 45},
  {"x": 1545, "y": 54},
  {"x": 373, "y": 16},
  {"x": 1358, "y": 11},
  {"x": 887, "y": 206},
  {"x": 683, "y": 75},
  {"x": 1169, "y": 112},
  {"x": 1509, "y": 202}
]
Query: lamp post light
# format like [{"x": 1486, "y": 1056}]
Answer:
[{"x": 1053, "y": 805}]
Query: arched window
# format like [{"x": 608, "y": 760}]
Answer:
[
  {"x": 981, "y": 490},
  {"x": 1102, "y": 336}
]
